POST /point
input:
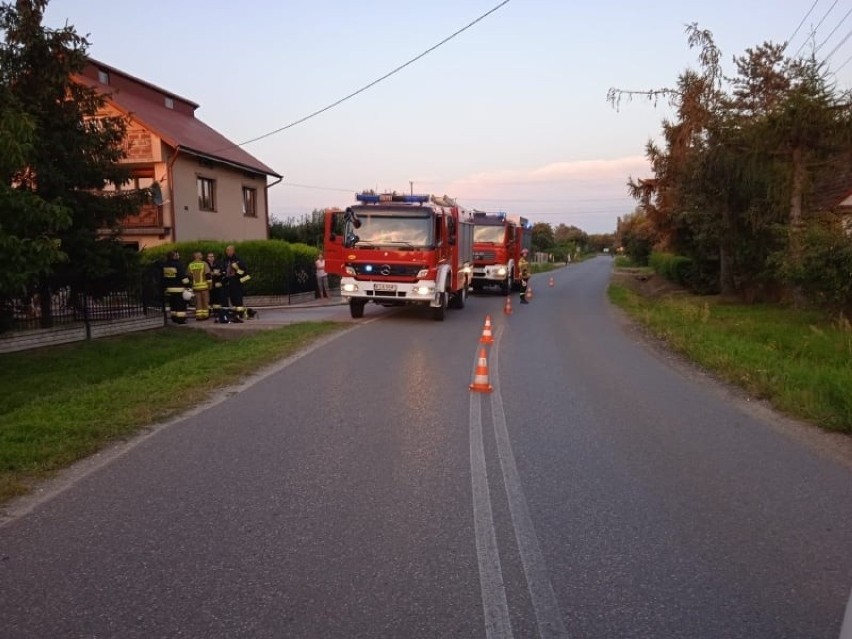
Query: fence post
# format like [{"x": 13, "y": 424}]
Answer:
[{"x": 86, "y": 299}]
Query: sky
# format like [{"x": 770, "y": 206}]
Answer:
[{"x": 510, "y": 115}]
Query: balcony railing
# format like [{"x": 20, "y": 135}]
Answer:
[{"x": 149, "y": 216}]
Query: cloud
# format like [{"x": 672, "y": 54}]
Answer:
[{"x": 612, "y": 173}]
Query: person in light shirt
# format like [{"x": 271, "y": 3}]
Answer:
[{"x": 322, "y": 277}]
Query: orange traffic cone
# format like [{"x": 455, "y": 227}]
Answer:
[
  {"x": 487, "y": 337},
  {"x": 528, "y": 295},
  {"x": 480, "y": 377},
  {"x": 551, "y": 282},
  {"x": 507, "y": 307}
]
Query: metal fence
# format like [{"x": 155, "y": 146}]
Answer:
[
  {"x": 292, "y": 281},
  {"x": 56, "y": 307},
  {"x": 83, "y": 304}
]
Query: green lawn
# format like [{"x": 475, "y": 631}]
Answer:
[
  {"x": 797, "y": 360},
  {"x": 63, "y": 403}
]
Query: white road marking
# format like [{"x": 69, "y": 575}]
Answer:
[
  {"x": 494, "y": 604},
  {"x": 547, "y": 613},
  {"x": 846, "y": 628}
]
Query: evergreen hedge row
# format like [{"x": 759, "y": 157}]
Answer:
[{"x": 276, "y": 267}]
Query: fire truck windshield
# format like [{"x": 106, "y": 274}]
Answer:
[
  {"x": 493, "y": 234},
  {"x": 395, "y": 227}
]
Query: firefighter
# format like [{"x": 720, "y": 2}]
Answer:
[
  {"x": 217, "y": 291},
  {"x": 200, "y": 275},
  {"x": 175, "y": 283},
  {"x": 524, "y": 272},
  {"x": 236, "y": 275}
]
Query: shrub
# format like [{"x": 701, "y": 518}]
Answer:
[
  {"x": 675, "y": 268},
  {"x": 276, "y": 267},
  {"x": 824, "y": 272}
]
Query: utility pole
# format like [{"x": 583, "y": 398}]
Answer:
[{"x": 411, "y": 184}]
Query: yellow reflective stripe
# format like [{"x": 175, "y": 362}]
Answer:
[
  {"x": 175, "y": 289},
  {"x": 245, "y": 278}
]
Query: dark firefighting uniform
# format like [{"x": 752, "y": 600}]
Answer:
[
  {"x": 175, "y": 283},
  {"x": 524, "y": 272},
  {"x": 236, "y": 275},
  {"x": 217, "y": 290},
  {"x": 199, "y": 274}
]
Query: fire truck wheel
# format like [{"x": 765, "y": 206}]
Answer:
[
  {"x": 506, "y": 285},
  {"x": 460, "y": 298},
  {"x": 356, "y": 308},
  {"x": 439, "y": 312}
]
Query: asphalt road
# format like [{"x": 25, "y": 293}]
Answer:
[{"x": 602, "y": 490}]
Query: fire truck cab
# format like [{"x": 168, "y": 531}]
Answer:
[
  {"x": 497, "y": 244},
  {"x": 393, "y": 250}
]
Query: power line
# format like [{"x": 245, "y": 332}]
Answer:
[
  {"x": 813, "y": 6},
  {"x": 374, "y": 82},
  {"x": 816, "y": 28},
  {"x": 834, "y": 30},
  {"x": 839, "y": 44},
  {"x": 847, "y": 61},
  {"x": 319, "y": 188}
]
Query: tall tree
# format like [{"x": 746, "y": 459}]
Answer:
[
  {"x": 542, "y": 237},
  {"x": 65, "y": 151},
  {"x": 28, "y": 223}
]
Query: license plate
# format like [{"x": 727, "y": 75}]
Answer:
[{"x": 385, "y": 288}]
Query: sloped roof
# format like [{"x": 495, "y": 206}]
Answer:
[
  {"x": 834, "y": 187},
  {"x": 178, "y": 130}
]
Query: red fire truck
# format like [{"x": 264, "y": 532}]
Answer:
[
  {"x": 497, "y": 244},
  {"x": 394, "y": 249}
]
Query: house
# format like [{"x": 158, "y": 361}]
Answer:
[
  {"x": 833, "y": 194},
  {"x": 211, "y": 188}
]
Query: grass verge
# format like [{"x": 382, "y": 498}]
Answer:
[
  {"x": 797, "y": 360},
  {"x": 64, "y": 403}
]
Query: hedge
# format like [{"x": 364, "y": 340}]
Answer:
[
  {"x": 276, "y": 267},
  {"x": 675, "y": 268}
]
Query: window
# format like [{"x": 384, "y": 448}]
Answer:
[
  {"x": 249, "y": 202},
  {"x": 139, "y": 179},
  {"x": 103, "y": 76},
  {"x": 206, "y": 194},
  {"x": 170, "y": 103}
]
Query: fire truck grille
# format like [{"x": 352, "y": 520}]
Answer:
[
  {"x": 485, "y": 256},
  {"x": 387, "y": 270}
]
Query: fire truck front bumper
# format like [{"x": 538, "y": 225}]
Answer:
[
  {"x": 490, "y": 272},
  {"x": 422, "y": 292}
]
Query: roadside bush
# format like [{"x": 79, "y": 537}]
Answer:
[
  {"x": 276, "y": 267},
  {"x": 824, "y": 273},
  {"x": 675, "y": 268}
]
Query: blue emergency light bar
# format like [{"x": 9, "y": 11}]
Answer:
[{"x": 379, "y": 198}]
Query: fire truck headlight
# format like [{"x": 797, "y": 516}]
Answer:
[
  {"x": 349, "y": 271},
  {"x": 501, "y": 272},
  {"x": 423, "y": 272},
  {"x": 423, "y": 290},
  {"x": 350, "y": 288}
]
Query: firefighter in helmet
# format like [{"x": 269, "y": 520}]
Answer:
[
  {"x": 175, "y": 283},
  {"x": 236, "y": 275},
  {"x": 199, "y": 274},
  {"x": 524, "y": 272}
]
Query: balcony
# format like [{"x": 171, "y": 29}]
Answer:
[{"x": 148, "y": 221}]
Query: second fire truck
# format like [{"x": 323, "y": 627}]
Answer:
[
  {"x": 497, "y": 244},
  {"x": 394, "y": 249}
]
